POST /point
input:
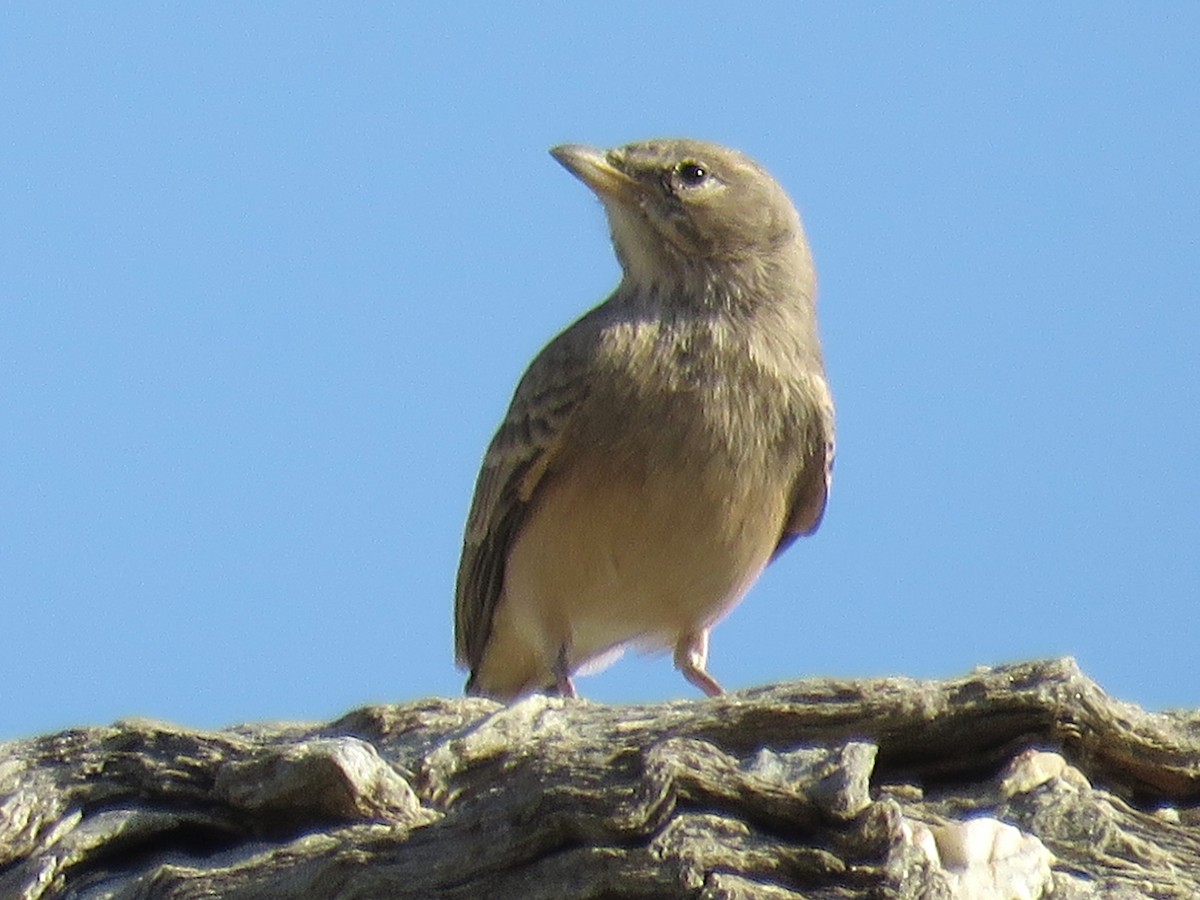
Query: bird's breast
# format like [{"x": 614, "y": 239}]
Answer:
[{"x": 695, "y": 398}]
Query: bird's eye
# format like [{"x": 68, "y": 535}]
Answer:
[{"x": 691, "y": 173}]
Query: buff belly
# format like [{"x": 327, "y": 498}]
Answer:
[{"x": 611, "y": 555}]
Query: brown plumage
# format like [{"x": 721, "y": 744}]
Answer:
[{"x": 660, "y": 451}]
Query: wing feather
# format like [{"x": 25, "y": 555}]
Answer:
[
  {"x": 810, "y": 491},
  {"x": 521, "y": 453}
]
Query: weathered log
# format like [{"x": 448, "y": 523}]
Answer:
[{"x": 1018, "y": 781}]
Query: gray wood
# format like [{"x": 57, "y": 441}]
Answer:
[{"x": 1009, "y": 782}]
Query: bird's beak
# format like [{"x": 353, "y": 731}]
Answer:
[{"x": 592, "y": 167}]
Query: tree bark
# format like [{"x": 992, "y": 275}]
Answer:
[{"x": 1015, "y": 782}]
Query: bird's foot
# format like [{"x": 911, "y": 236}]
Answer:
[{"x": 691, "y": 655}]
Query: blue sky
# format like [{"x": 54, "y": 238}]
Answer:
[{"x": 269, "y": 277}]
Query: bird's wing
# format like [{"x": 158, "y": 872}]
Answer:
[
  {"x": 523, "y": 450},
  {"x": 810, "y": 491}
]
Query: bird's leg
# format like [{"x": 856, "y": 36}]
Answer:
[
  {"x": 691, "y": 654},
  {"x": 562, "y": 674}
]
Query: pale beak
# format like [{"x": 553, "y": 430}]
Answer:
[{"x": 592, "y": 167}]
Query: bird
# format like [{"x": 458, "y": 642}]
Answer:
[{"x": 664, "y": 448}]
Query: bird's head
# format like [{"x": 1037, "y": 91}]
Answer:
[{"x": 686, "y": 213}]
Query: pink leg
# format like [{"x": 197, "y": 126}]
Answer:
[
  {"x": 691, "y": 655},
  {"x": 562, "y": 675}
]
